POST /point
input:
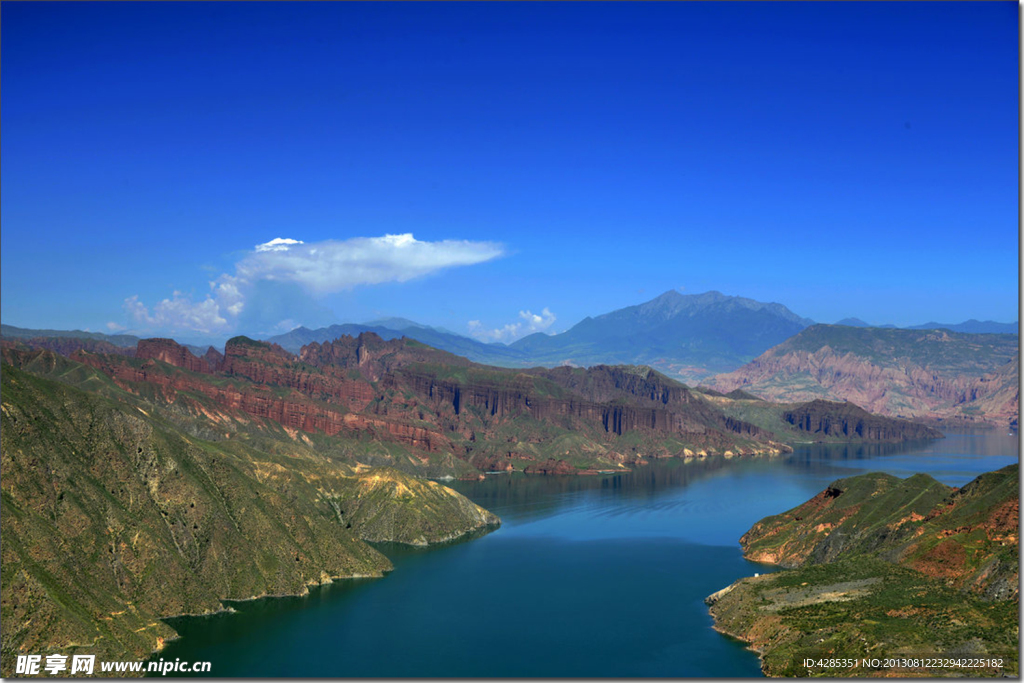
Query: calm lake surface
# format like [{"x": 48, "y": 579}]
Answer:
[{"x": 587, "y": 577}]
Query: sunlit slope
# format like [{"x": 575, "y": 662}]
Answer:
[
  {"x": 113, "y": 517},
  {"x": 884, "y": 567},
  {"x": 935, "y": 374}
]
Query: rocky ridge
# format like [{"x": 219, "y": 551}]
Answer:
[
  {"x": 430, "y": 401},
  {"x": 437, "y": 405},
  {"x": 846, "y": 420}
]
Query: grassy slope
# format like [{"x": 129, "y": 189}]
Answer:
[
  {"x": 861, "y": 608},
  {"x": 113, "y": 517},
  {"x": 856, "y": 511},
  {"x": 387, "y": 505},
  {"x": 884, "y": 567},
  {"x": 940, "y": 351}
]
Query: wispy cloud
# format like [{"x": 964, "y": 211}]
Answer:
[
  {"x": 337, "y": 265},
  {"x": 528, "y": 323},
  {"x": 317, "y": 269}
]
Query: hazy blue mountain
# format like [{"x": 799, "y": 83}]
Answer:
[
  {"x": 294, "y": 341},
  {"x": 126, "y": 341},
  {"x": 12, "y": 332},
  {"x": 688, "y": 336},
  {"x": 394, "y": 323},
  {"x": 685, "y": 335},
  {"x": 971, "y": 327},
  {"x": 480, "y": 352}
]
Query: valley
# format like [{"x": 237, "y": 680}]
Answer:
[
  {"x": 143, "y": 482},
  {"x": 369, "y": 340},
  {"x": 606, "y": 575}
]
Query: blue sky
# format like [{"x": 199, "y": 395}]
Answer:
[{"x": 550, "y": 161}]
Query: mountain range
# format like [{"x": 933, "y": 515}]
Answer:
[
  {"x": 396, "y": 328},
  {"x": 403, "y": 404},
  {"x": 686, "y": 336},
  {"x": 971, "y": 326},
  {"x": 66, "y": 339}
]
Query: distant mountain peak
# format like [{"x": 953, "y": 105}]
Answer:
[
  {"x": 971, "y": 326},
  {"x": 683, "y": 335},
  {"x": 853, "y": 322},
  {"x": 396, "y": 323},
  {"x": 673, "y": 303},
  {"x": 672, "y": 295}
]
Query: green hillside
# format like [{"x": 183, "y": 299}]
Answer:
[
  {"x": 882, "y": 567},
  {"x": 114, "y": 517}
]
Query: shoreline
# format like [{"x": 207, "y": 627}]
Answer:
[
  {"x": 228, "y": 609},
  {"x": 324, "y": 582}
]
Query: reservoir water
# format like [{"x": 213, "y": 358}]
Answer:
[{"x": 587, "y": 577}]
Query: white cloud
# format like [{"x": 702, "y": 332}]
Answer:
[
  {"x": 179, "y": 313},
  {"x": 318, "y": 268},
  {"x": 336, "y": 265},
  {"x": 115, "y": 327},
  {"x": 529, "y": 323},
  {"x": 228, "y": 295},
  {"x": 277, "y": 244}
]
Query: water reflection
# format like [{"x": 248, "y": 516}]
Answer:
[
  {"x": 714, "y": 500},
  {"x": 521, "y": 497},
  {"x": 954, "y": 461}
]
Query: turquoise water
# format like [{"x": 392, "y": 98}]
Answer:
[{"x": 587, "y": 577}]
